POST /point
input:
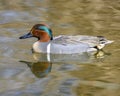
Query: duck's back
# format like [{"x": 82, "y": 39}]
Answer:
[{"x": 63, "y": 39}]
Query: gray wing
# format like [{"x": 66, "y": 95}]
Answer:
[{"x": 75, "y": 40}]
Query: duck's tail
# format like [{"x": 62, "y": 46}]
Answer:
[
  {"x": 103, "y": 40},
  {"x": 109, "y": 41}
]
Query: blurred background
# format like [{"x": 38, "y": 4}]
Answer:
[{"x": 25, "y": 74}]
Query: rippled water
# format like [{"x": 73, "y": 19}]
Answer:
[{"x": 25, "y": 74}]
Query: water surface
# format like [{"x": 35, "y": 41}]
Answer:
[{"x": 25, "y": 74}]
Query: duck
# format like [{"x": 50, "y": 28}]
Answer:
[{"x": 63, "y": 44}]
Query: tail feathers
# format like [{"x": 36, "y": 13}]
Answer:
[
  {"x": 109, "y": 41},
  {"x": 103, "y": 40}
]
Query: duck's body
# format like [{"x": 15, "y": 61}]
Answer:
[
  {"x": 63, "y": 44},
  {"x": 59, "y": 47},
  {"x": 67, "y": 45}
]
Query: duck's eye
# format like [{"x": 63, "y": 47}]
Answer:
[{"x": 35, "y": 33}]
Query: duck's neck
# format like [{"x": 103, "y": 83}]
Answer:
[{"x": 44, "y": 37}]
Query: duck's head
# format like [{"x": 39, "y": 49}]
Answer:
[{"x": 40, "y": 31}]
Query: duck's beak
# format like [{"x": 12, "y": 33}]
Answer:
[{"x": 29, "y": 35}]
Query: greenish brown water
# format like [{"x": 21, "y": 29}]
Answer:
[{"x": 25, "y": 74}]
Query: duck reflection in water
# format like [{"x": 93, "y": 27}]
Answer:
[
  {"x": 72, "y": 58},
  {"x": 39, "y": 69},
  {"x": 43, "y": 64}
]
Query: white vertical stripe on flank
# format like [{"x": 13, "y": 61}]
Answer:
[{"x": 48, "y": 52}]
